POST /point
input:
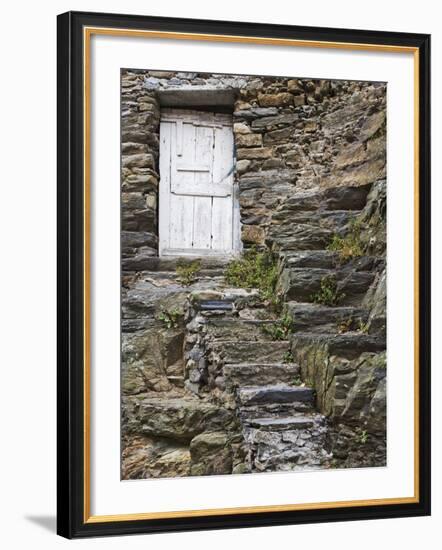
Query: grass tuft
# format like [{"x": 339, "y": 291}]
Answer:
[
  {"x": 187, "y": 273},
  {"x": 351, "y": 246},
  {"x": 258, "y": 270},
  {"x": 280, "y": 329},
  {"x": 328, "y": 294}
]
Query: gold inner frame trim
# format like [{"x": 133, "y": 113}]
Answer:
[{"x": 87, "y": 33}]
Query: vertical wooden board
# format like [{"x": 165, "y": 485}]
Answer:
[
  {"x": 164, "y": 186},
  {"x": 222, "y": 224},
  {"x": 188, "y": 145},
  {"x": 181, "y": 221},
  {"x": 182, "y": 179},
  {"x": 223, "y": 156},
  {"x": 181, "y": 206},
  {"x": 202, "y": 221},
  {"x": 202, "y": 215},
  {"x": 222, "y": 207}
]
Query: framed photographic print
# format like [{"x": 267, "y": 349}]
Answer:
[{"x": 243, "y": 274}]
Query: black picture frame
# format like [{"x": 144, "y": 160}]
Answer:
[{"x": 72, "y": 522}]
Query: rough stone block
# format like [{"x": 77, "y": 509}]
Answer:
[
  {"x": 302, "y": 284},
  {"x": 275, "y": 394},
  {"x": 274, "y": 121},
  {"x": 210, "y": 454},
  {"x": 255, "y": 112},
  {"x": 141, "y": 160},
  {"x": 295, "y": 86},
  {"x": 254, "y": 153},
  {"x": 275, "y": 100},
  {"x": 248, "y": 140},
  {"x": 146, "y": 457},
  {"x": 241, "y": 128},
  {"x": 242, "y": 166},
  {"x": 278, "y": 135},
  {"x": 298, "y": 100},
  {"x": 252, "y": 234},
  {"x": 179, "y": 419}
]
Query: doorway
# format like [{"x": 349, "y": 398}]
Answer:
[{"x": 198, "y": 206}]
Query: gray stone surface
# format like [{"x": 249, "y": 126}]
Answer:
[
  {"x": 311, "y": 157},
  {"x": 179, "y": 418},
  {"x": 211, "y": 454},
  {"x": 260, "y": 373},
  {"x": 252, "y": 395},
  {"x": 319, "y": 318},
  {"x": 284, "y": 423},
  {"x": 246, "y": 350},
  {"x": 301, "y": 284}
]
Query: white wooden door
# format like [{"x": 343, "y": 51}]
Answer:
[{"x": 197, "y": 213}]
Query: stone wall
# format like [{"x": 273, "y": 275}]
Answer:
[
  {"x": 290, "y": 134},
  {"x": 310, "y": 162}
]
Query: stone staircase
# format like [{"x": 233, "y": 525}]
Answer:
[
  {"x": 330, "y": 341},
  {"x": 285, "y": 424},
  {"x": 280, "y": 427},
  {"x": 306, "y": 262},
  {"x": 224, "y": 396}
]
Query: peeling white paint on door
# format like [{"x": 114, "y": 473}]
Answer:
[{"x": 198, "y": 210}]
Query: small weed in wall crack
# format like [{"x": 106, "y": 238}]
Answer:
[
  {"x": 170, "y": 317},
  {"x": 280, "y": 329},
  {"x": 345, "y": 325},
  {"x": 328, "y": 295},
  {"x": 364, "y": 327},
  {"x": 187, "y": 273},
  {"x": 350, "y": 246},
  {"x": 363, "y": 437}
]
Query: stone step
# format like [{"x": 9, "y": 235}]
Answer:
[
  {"x": 292, "y": 442},
  {"x": 241, "y": 351},
  {"x": 152, "y": 287},
  {"x": 202, "y": 274},
  {"x": 335, "y": 220},
  {"x": 224, "y": 299},
  {"x": 300, "y": 422},
  {"x": 227, "y": 328},
  {"x": 300, "y": 236},
  {"x": 260, "y": 373},
  {"x": 327, "y": 259},
  {"x": 285, "y": 456},
  {"x": 168, "y": 281},
  {"x": 169, "y": 264},
  {"x": 318, "y": 318},
  {"x": 254, "y": 312},
  {"x": 216, "y": 305},
  {"x": 274, "y": 410},
  {"x": 280, "y": 393},
  {"x": 301, "y": 284},
  {"x": 322, "y": 259},
  {"x": 349, "y": 345}
]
